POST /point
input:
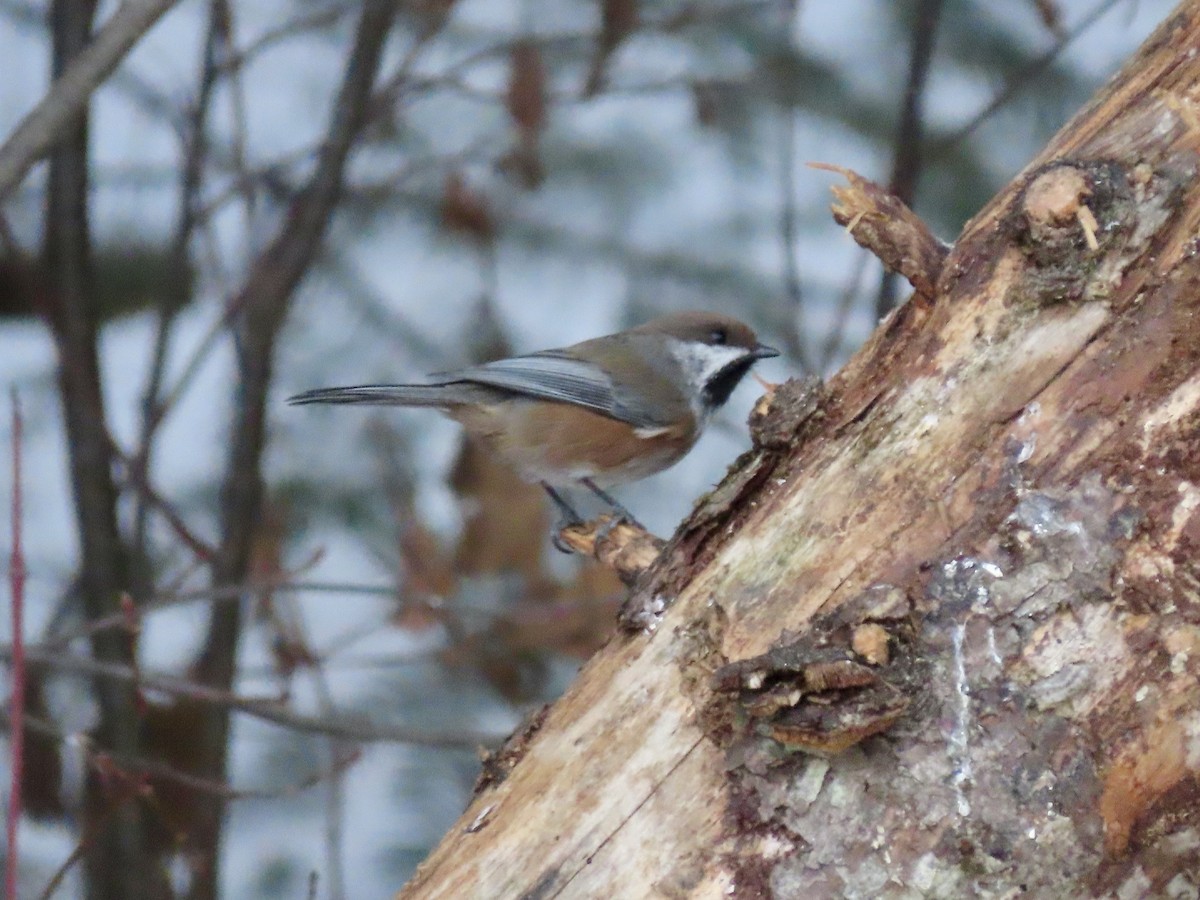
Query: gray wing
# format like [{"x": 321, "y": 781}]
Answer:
[{"x": 564, "y": 379}]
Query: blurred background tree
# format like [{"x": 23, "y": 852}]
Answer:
[{"x": 311, "y": 619}]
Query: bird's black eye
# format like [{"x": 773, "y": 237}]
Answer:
[{"x": 718, "y": 336}]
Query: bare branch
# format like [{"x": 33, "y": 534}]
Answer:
[
  {"x": 879, "y": 221},
  {"x": 907, "y": 160},
  {"x": 16, "y": 577},
  {"x": 345, "y": 727},
  {"x": 39, "y": 130},
  {"x": 262, "y": 305}
]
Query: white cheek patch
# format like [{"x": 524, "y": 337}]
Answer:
[{"x": 700, "y": 362}]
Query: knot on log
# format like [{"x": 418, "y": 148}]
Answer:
[
  {"x": 1083, "y": 224},
  {"x": 1055, "y": 205},
  {"x": 819, "y": 700},
  {"x": 879, "y": 221}
]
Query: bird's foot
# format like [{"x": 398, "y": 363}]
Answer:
[
  {"x": 567, "y": 518},
  {"x": 556, "y": 537},
  {"x": 607, "y": 527}
]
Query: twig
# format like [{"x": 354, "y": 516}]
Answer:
[
  {"x": 235, "y": 592},
  {"x": 133, "y": 627},
  {"x": 341, "y": 643},
  {"x": 267, "y": 711},
  {"x": 628, "y": 550},
  {"x": 788, "y": 238},
  {"x": 877, "y": 220},
  {"x": 94, "y": 830},
  {"x": 227, "y": 594},
  {"x": 16, "y": 575},
  {"x": 907, "y": 161},
  {"x": 1020, "y": 80},
  {"x": 237, "y": 94},
  {"x": 139, "y": 768},
  {"x": 302, "y": 24},
  {"x": 335, "y": 796},
  {"x": 179, "y": 287},
  {"x": 137, "y": 478},
  {"x": 39, "y": 130}
]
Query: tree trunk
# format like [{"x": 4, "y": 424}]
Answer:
[
  {"x": 938, "y": 634},
  {"x": 117, "y": 863}
]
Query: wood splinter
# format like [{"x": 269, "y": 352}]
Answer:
[
  {"x": 626, "y": 549},
  {"x": 879, "y": 221}
]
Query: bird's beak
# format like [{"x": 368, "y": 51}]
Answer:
[{"x": 762, "y": 351}]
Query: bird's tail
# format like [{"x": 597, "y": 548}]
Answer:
[{"x": 382, "y": 395}]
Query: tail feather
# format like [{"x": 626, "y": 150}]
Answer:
[{"x": 380, "y": 395}]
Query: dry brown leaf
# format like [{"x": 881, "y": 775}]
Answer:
[
  {"x": 465, "y": 211},
  {"x": 527, "y": 87}
]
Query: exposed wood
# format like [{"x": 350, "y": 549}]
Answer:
[{"x": 1006, "y": 481}]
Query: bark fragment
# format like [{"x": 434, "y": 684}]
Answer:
[{"x": 812, "y": 694}]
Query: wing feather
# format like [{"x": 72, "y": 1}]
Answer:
[{"x": 560, "y": 378}]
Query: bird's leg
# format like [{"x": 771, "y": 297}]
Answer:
[
  {"x": 566, "y": 516},
  {"x": 566, "y": 511},
  {"x": 621, "y": 511}
]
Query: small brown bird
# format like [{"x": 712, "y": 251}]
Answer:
[{"x": 599, "y": 413}]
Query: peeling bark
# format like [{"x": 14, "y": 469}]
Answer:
[{"x": 1005, "y": 482}]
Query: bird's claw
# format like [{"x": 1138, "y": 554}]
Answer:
[
  {"x": 607, "y": 528},
  {"x": 556, "y": 538}
]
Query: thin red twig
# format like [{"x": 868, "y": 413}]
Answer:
[
  {"x": 16, "y": 574},
  {"x": 133, "y": 627}
]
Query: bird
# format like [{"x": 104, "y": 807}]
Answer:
[{"x": 597, "y": 414}]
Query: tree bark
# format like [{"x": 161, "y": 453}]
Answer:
[{"x": 964, "y": 571}]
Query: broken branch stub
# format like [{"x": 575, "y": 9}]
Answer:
[
  {"x": 626, "y": 549},
  {"x": 880, "y": 222}
]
